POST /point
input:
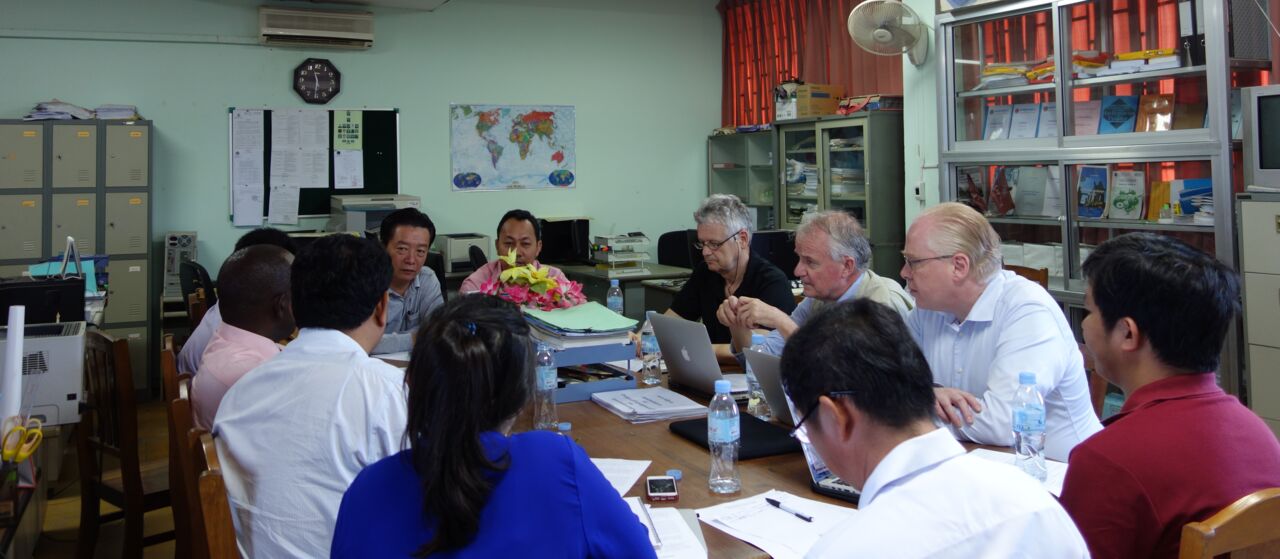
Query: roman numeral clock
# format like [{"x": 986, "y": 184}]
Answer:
[{"x": 317, "y": 81}]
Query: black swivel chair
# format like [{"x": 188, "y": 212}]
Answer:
[
  {"x": 675, "y": 248},
  {"x": 435, "y": 261},
  {"x": 192, "y": 276},
  {"x": 477, "y": 256}
]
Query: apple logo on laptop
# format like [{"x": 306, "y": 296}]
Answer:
[{"x": 684, "y": 352}]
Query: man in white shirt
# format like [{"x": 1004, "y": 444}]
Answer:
[
  {"x": 193, "y": 349},
  {"x": 866, "y": 401},
  {"x": 293, "y": 433},
  {"x": 834, "y": 255},
  {"x": 980, "y": 326}
]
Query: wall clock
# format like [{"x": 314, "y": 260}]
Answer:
[{"x": 317, "y": 81}]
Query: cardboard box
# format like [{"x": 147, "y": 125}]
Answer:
[{"x": 809, "y": 100}]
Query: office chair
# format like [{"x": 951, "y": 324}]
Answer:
[
  {"x": 435, "y": 261},
  {"x": 192, "y": 275},
  {"x": 675, "y": 248},
  {"x": 478, "y": 259}
]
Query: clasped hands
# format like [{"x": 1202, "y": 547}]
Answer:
[{"x": 747, "y": 313}]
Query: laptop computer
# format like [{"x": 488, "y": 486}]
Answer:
[
  {"x": 765, "y": 367},
  {"x": 690, "y": 358}
]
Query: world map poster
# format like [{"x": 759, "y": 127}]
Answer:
[{"x": 507, "y": 147}]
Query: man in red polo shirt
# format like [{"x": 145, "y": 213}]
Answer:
[{"x": 1180, "y": 449}]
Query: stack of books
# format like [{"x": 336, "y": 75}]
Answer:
[
  {"x": 621, "y": 255},
  {"x": 644, "y": 405},
  {"x": 584, "y": 325}
]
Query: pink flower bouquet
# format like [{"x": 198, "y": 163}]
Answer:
[{"x": 530, "y": 286}]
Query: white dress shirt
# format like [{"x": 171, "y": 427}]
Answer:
[
  {"x": 193, "y": 350},
  {"x": 927, "y": 498},
  {"x": 1014, "y": 326},
  {"x": 293, "y": 433}
]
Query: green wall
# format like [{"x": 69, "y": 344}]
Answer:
[
  {"x": 643, "y": 76},
  {"x": 920, "y": 122}
]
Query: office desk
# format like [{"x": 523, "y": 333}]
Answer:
[{"x": 595, "y": 284}]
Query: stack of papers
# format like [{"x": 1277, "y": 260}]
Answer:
[
  {"x": 583, "y": 325},
  {"x": 621, "y": 474},
  {"x": 672, "y": 537},
  {"x": 1057, "y": 470},
  {"x": 117, "y": 112},
  {"x": 57, "y": 110},
  {"x": 777, "y": 532},
  {"x": 644, "y": 405}
]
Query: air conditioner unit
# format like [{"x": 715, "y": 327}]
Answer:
[{"x": 311, "y": 28}]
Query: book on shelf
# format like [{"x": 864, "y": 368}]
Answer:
[
  {"x": 1237, "y": 118},
  {"x": 1119, "y": 114},
  {"x": 1125, "y": 195},
  {"x": 1091, "y": 189},
  {"x": 725, "y": 165},
  {"x": 1034, "y": 192},
  {"x": 1157, "y": 199},
  {"x": 1001, "y": 203},
  {"x": 1188, "y": 115},
  {"x": 1190, "y": 194},
  {"x": 1024, "y": 121},
  {"x": 1047, "y": 127},
  {"x": 1086, "y": 116},
  {"x": 972, "y": 187},
  {"x": 996, "y": 125},
  {"x": 1155, "y": 113},
  {"x": 1163, "y": 63}
]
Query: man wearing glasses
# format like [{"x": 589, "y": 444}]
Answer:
[
  {"x": 728, "y": 269},
  {"x": 980, "y": 326},
  {"x": 834, "y": 256},
  {"x": 866, "y": 402}
]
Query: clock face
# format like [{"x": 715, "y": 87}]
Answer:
[{"x": 316, "y": 80}]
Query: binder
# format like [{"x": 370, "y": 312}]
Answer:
[{"x": 1191, "y": 31}]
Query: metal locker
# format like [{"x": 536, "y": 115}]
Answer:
[
  {"x": 75, "y": 156},
  {"x": 126, "y": 291},
  {"x": 74, "y": 215},
  {"x": 126, "y": 223},
  {"x": 20, "y": 235},
  {"x": 127, "y": 162},
  {"x": 138, "y": 352},
  {"x": 21, "y": 156},
  {"x": 14, "y": 271}
]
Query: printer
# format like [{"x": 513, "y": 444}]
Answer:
[
  {"x": 457, "y": 250},
  {"x": 357, "y": 213},
  {"x": 52, "y": 370}
]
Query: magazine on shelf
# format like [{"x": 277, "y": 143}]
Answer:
[
  {"x": 1086, "y": 117},
  {"x": 1091, "y": 187},
  {"x": 1126, "y": 193},
  {"x": 1119, "y": 114},
  {"x": 1026, "y": 117},
  {"x": 996, "y": 126},
  {"x": 971, "y": 187},
  {"x": 1158, "y": 199},
  {"x": 1188, "y": 115},
  {"x": 1155, "y": 113},
  {"x": 1048, "y": 125},
  {"x": 1031, "y": 196},
  {"x": 1185, "y": 192}
]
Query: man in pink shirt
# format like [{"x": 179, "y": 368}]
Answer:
[
  {"x": 253, "y": 289},
  {"x": 517, "y": 230}
]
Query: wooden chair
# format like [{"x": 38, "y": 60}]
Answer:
[
  {"x": 219, "y": 531},
  {"x": 109, "y": 427},
  {"x": 197, "y": 305},
  {"x": 1249, "y": 527},
  {"x": 1097, "y": 384},
  {"x": 179, "y": 423},
  {"x": 1038, "y": 275},
  {"x": 188, "y": 519}
]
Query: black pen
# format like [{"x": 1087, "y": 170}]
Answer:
[{"x": 785, "y": 508}]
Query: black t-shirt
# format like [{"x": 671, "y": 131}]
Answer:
[{"x": 703, "y": 293}]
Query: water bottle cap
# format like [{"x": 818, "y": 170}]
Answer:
[
  {"x": 613, "y": 283},
  {"x": 723, "y": 387},
  {"x": 1026, "y": 378},
  {"x": 565, "y": 426},
  {"x": 757, "y": 339},
  {"x": 675, "y": 473}
]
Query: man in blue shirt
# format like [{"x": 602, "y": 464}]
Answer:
[
  {"x": 833, "y": 266},
  {"x": 415, "y": 290}
]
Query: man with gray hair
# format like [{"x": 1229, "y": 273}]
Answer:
[
  {"x": 833, "y": 266},
  {"x": 728, "y": 269},
  {"x": 980, "y": 326}
]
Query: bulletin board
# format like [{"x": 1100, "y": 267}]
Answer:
[{"x": 379, "y": 134}]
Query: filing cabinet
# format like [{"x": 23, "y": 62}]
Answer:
[
  {"x": 128, "y": 154},
  {"x": 74, "y": 215},
  {"x": 20, "y": 218},
  {"x": 127, "y": 291},
  {"x": 75, "y": 156},
  {"x": 21, "y": 155},
  {"x": 126, "y": 225},
  {"x": 1259, "y": 227}
]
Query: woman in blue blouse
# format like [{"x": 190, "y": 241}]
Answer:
[{"x": 466, "y": 488}]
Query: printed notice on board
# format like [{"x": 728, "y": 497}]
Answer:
[
  {"x": 284, "y": 205},
  {"x": 300, "y": 148},
  {"x": 348, "y": 130},
  {"x": 246, "y": 167},
  {"x": 348, "y": 169}
]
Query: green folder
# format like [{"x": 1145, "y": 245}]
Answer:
[{"x": 587, "y": 317}]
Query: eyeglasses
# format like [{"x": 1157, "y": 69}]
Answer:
[
  {"x": 800, "y": 433},
  {"x": 913, "y": 262},
  {"x": 714, "y": 246}
]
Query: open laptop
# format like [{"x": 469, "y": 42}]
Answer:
[
  {"x": 765, "y": 367},
  {"x": 690, "y": 358}
]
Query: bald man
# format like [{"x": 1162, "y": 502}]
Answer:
[{"x": 253, "y": 289}]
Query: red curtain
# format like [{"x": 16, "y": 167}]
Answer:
[{"x": 768, "y": 41}]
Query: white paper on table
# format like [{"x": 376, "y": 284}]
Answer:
[
  {"x": 622, "y": 474},
  {"x": 778, "y": 533},
  {"x": 348, "y": 169},
  {"x": 1052, "y": 483},
  {"x": 246, "y": 205},
  {"x": 397, "y": 356},
  {"x": 284, "y": 205},
  {"x": 678, "y": 541}
]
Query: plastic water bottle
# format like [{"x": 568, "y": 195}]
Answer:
[
  {"x": 756, "y": 404},
  {"x": 1028, "y": 427},
  {"x": 613, "y": 299},
  {"x": 723, "y": 435},
  {"x": 651, "y": 356},
  {"x": 544, "y": 397}
]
